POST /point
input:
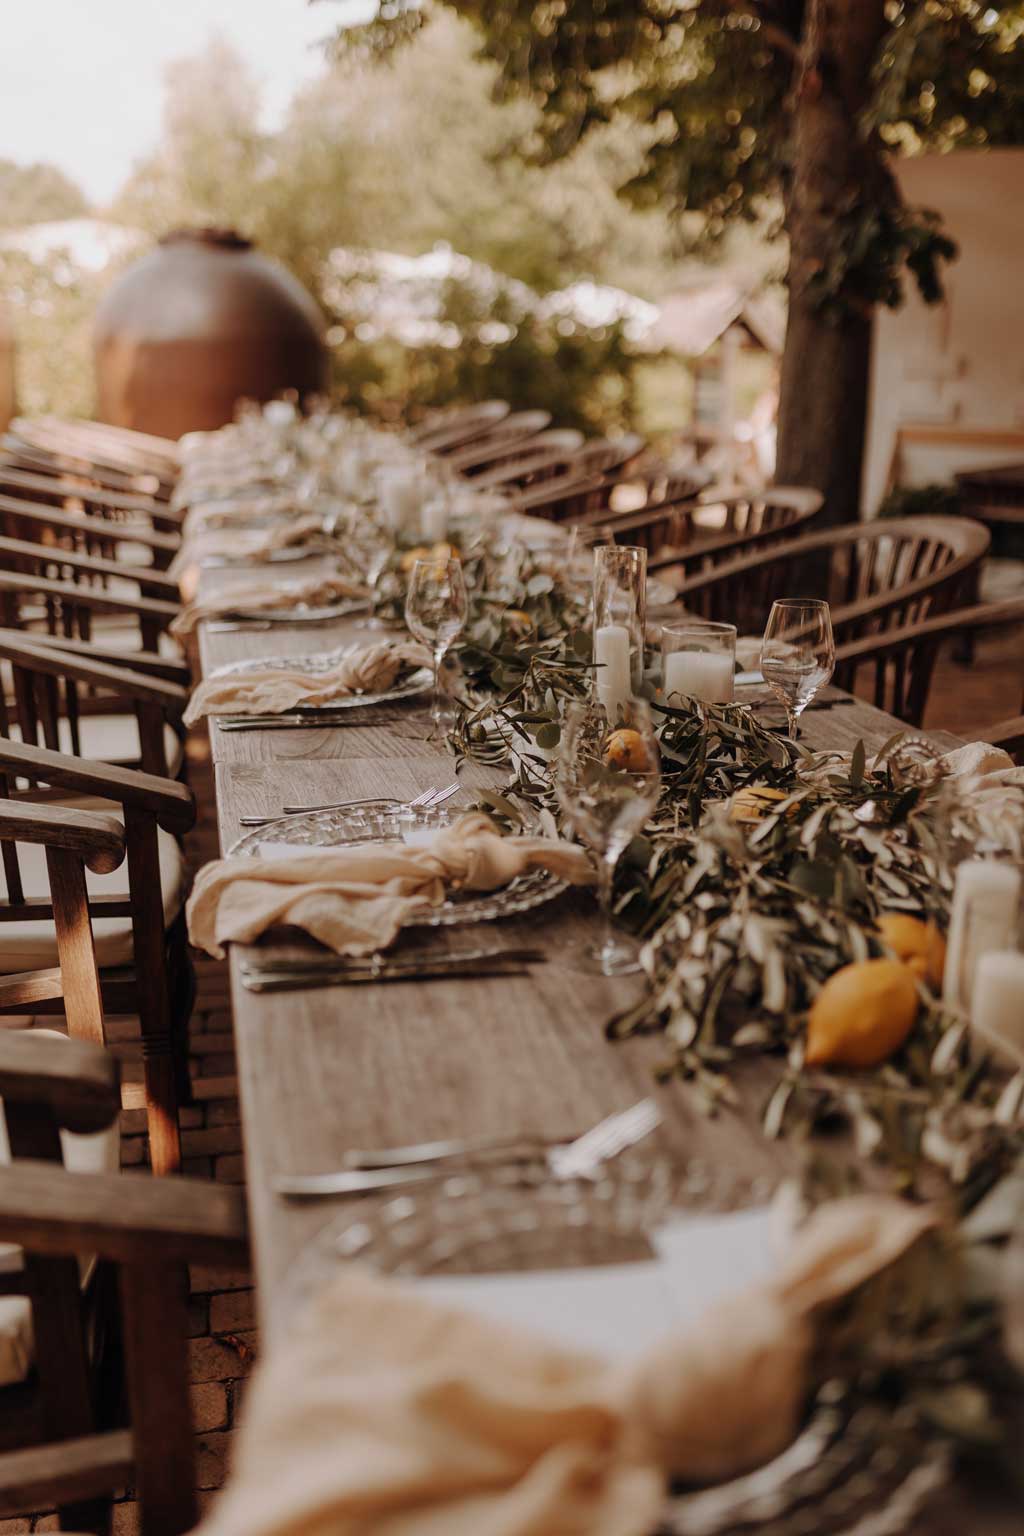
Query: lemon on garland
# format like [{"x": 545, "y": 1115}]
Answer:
[
  {"x": 918, "y": 944},
  {"x": 627, "y": 750},
  {"x": 755, "y": 801},
  {"x": 862, "y": 1014},
  {"x": 518, "y": 621},
  {"x": 408, "y": 560}
]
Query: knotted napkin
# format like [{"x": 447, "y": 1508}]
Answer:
[
  {"x": 268, "y": 597},
  {"x": 354, "y": 899},
  {"x": 386, "y": 1413},
  {"x": 273, "y": 690},
  {"x": 249, "y": 546}
]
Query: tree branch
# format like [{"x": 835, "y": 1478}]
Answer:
[{"x": 774, "y": 35}]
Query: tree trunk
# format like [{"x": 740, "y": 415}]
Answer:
[{"x": 826, "y": 363}]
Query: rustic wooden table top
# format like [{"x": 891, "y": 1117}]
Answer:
[{"x": 323, "y": 1070}]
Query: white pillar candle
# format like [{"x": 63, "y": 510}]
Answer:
[
  {"x": 612, "y": 679},
  {"x": 399, "y": 493},
  {"x": 434, "y": 520},
  {"x": 984, "y": 917},
  {"x": 997, "y": 1006},
  {"x": 704, "y": 675}
]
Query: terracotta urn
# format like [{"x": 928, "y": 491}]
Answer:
[{"x": 201, "y": 322}]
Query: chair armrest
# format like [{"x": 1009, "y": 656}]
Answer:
[
  {"x": 79, "y": 1082},
  {"x": 79, "y": 595},
  {"x": 65, "y": 1472},
  {"x": 152, "y": 582},
  {"x": 37, "y": 656},
  {"x": 171, "y": 803},
  {"x": 1008, "y": 734},
  {"x": 149, "y": 663},
  {"x": 97, "y": 838},
  {"x": 941, "y": 627},
  {"x": 126, "y": 1217}
]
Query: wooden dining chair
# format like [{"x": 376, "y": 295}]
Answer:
[
  {"x": 62, "y": 1440},
  {"x": 876, "y": 576},
  {"x": 699, "y": 533},
  {"x": 86, "y": 610},
  {"x": 93, "y": 449},
  {"x": 544, "y": 456},
  {"x": 448, "y": 430},
  {"x": 139, "y": 933},
  {"x": 508, "y": 436},
  {"x": 65, "y": 523},
  {"x": 903, "y": 660}
]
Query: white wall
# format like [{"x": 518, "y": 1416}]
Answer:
[{"x": 959, "y": 364}]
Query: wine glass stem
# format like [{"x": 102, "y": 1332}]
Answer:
[
  {"x": 605, "y": 890},
  {"x": 793, "y": 718},
  {"x": 436, "y": 711}
]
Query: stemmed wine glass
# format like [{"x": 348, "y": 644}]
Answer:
[
  {"x": 798, "y": 653},
  {"x": 435, "y": 612},
  {"x": 375, "y": 544},
  {"x": 607, "y": 779}
]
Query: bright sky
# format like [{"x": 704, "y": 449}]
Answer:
[{"x": 81, "y": 81}]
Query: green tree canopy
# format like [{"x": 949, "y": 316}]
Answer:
[{"x": 35, "y": 194}]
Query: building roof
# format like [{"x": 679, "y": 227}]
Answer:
[{"x": 693, "y": 318}]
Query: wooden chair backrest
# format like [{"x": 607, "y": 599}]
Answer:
[
  {"x": 543, "y": 456},
  {"x": 48, "y": 606},
  {"x": 57, "y": 523},
  {"x": 698, "y": 533},
  {"x": 460, "y": 425},
  {"x": 903, "y": 659},
  {"x": 76, "y": 493},
  {"x": 92, "y": 442},
  {"x": 19, "y": 454},
  {"x": 875, "y": 576},
  {"x": 513, "y": 433}
]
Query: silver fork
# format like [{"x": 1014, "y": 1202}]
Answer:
[
  {"x": 429, "y": 797},
  {"x": 581, "y": 1158}
]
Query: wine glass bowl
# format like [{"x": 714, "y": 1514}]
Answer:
[
  {"x": 435, "y": 612},
  {"x": 607, "y": 780},
  {"x": 798, "y": 653}
]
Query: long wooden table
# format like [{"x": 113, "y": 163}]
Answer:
[{"x": 322, "y": 1070}]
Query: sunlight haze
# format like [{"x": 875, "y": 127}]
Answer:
[{"x": 81, "y": 85}]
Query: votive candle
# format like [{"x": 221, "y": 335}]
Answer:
[
  {"x": 984, "y": 917},
  {"x": 613, "y": 682},
  {"x": 997, "y": 1005},
  {"x": 702, "y": 675}
]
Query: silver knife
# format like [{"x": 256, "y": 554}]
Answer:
[
  {"x": 291, "y": 981},
  {"x": 313, "y": 963}
]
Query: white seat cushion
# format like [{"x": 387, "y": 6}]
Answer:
[
  {"x": 32, "y": 945},
  {"x": 115, "y": 739},
  {"x": 100, "y": 1153}
]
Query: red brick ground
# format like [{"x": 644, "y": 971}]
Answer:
[{"x": 223, "y": 1344}]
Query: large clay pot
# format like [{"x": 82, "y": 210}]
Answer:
[
  {"x": 6, "y": 369},
  {"x": 196, "y": 325}
]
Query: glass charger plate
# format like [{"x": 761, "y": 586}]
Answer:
[
  {"x": 391, "y": 823},
  {"x": 251, "y": 562},
  {"x": 302, "y": 613},
  {"x": 858, "y": 1467}
]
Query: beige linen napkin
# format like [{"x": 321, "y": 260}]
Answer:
[
  {"x": 273, "y": 690},
  {"x": 242, "y": 544},
  {"x": 386, "y": 1413},
  {"x": 355, "y": 899},
  {"x": 268, "y": 596}
]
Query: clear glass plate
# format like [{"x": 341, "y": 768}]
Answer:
[
  {"x": 858, "y": 1466},
  {"x": 302, "y": 613},
  {"x": 391, "y": 824}
]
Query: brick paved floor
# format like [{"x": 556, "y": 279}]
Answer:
[{"x": 223, "y": 1344}]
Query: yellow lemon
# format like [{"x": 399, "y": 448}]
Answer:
[
  {"x": 627, "y": 749},
  {"x": 755, "y": 801},
  {"x": 443, "y": 551},
  {"x": 517, "y": 621},
  {"x": 421, "y": 552},
  {"x": 919, "y": 945},
  {"x": 862, "y": 1014}
]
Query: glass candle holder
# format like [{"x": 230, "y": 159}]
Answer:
[
  {"x": 698, "y": 661},
  {"x": 620, "y": 622}
]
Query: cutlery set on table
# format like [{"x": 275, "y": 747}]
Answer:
[{"x": 366, "y": 1172}]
